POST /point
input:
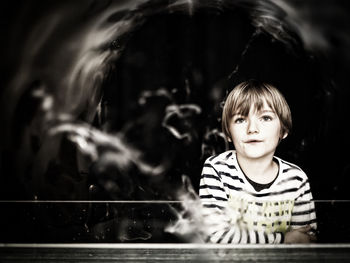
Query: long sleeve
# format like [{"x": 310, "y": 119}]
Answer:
[
  {"x": 304, "y": 212},
  {"x": 222, "y": 223}
]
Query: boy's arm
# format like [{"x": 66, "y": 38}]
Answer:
[
  {"x": 220, "y": 226},
  {"x": 304, "y": 213},
  {"x": 221, "y": 230}
]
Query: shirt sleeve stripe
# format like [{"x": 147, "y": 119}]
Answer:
[
  {"x": 300, "y": 203},
  {"x": 232, "y": 177},
  {"x": 303, "y": 223},
  {"x": 213, "y": 187},
  {"x": 213, "y": 206},
  {"x": 222, "y": 236},
  {"x": 306, "y": 212},
  {"x": 230, "y": 166},
  {"x": 232, "y": 187},
  {"x": 210, "y": 176},
  {"x": 211, "y": 196}
]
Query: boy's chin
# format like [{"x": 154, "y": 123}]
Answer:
[{"x": 255, "y": 154}]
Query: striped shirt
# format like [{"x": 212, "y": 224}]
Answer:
[{"x": 236, "y": 213}]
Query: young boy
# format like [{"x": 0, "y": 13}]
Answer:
[{"x": 249, "y": 195}]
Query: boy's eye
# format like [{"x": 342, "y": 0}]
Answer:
[
  {"x": 239, "y": 120},
  {"x": 266, "y": 118}
]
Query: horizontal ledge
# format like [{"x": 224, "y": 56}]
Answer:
[
  {"x": 172, "y": 246},
  {"x": 138, "y": 201}
]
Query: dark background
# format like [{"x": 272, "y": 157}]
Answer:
[{"x": 171, "y": 60}]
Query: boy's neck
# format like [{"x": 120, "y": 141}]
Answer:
[{"x": 262, "y": 170}]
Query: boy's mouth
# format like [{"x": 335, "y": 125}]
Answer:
[{"x": 253, "y": 141}]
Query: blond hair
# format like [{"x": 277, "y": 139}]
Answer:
[{"x": 248, "y": 93}]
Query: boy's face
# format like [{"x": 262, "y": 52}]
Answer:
[{"x": 256, "y": 135}]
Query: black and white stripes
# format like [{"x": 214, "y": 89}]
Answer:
[{"x": 236, "y": 213}]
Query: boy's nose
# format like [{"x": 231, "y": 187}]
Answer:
[{"x": 252, "y": 127}]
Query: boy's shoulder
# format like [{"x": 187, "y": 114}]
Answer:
[
  {"x": 288, "y": 167},
  {"x": 221, "y": 157}
]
